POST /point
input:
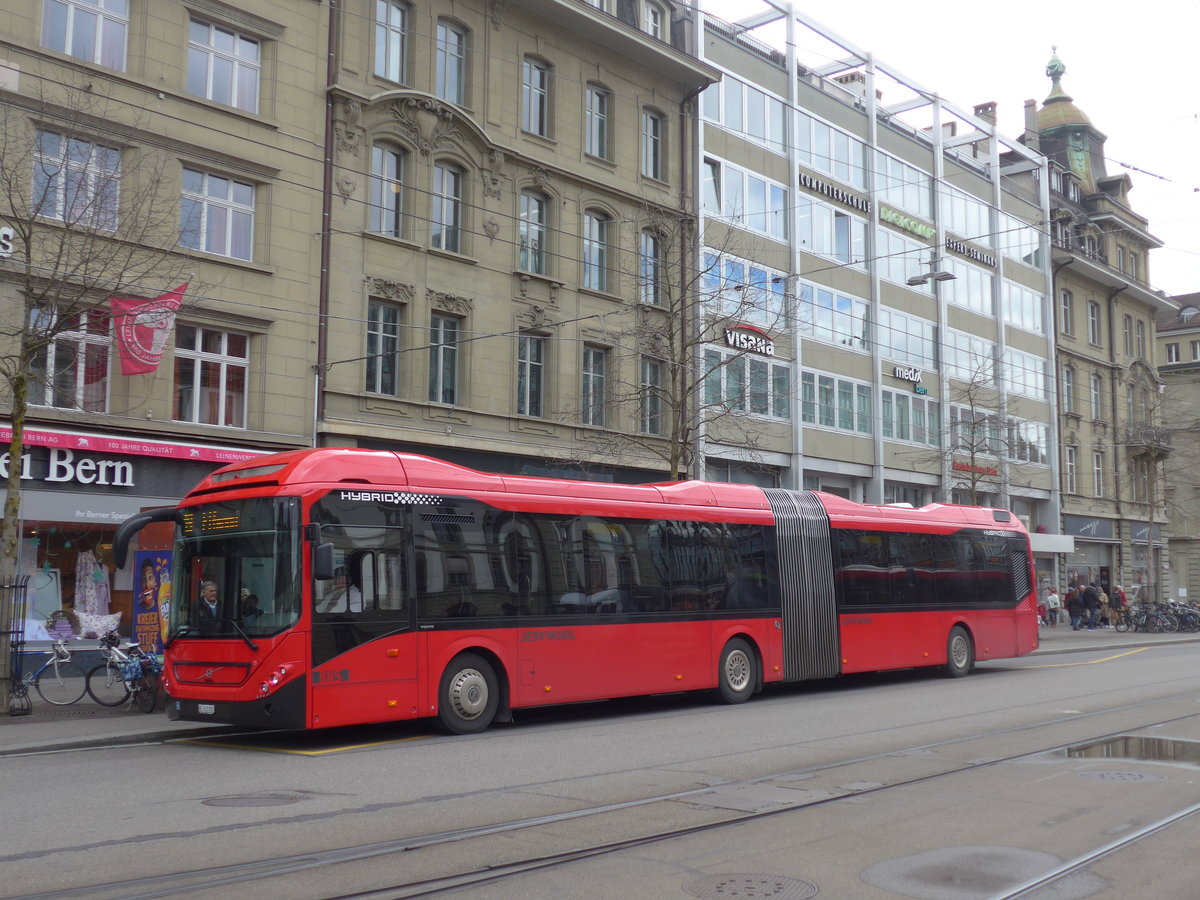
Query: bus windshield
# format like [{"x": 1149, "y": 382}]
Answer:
[{"x": 237, "y": 569}]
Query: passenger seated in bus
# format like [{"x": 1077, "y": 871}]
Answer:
[{"x": 250, "y": 610}]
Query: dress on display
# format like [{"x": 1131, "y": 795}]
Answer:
[{"x": 91, "y": 584}]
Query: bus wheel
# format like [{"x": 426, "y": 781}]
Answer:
[
  {"x": 960, "y": 653},
  {"x": 469, "y": 695},
  {"x": 736, "y": 673}
]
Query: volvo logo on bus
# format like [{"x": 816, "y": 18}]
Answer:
[{"x": 749, "y": 338}]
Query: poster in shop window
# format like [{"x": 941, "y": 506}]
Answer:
[{"x": 152, "y": 598}]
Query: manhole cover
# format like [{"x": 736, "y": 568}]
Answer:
[
  {"x": 253, "y": 800},
  {"x": 1122, "y": 776},
  {"x": 717, "y": 887}
]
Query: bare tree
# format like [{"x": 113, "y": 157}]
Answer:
[
  {"x": 90, "y": 218},
  {"x": 695, "y": 347}
]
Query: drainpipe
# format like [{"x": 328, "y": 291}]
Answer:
[{"x": 322, "y": 367}]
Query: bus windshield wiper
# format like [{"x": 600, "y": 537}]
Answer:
[{"x": 245, "y": 637}]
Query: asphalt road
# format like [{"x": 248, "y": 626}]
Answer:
[{"x": 901, "y": 785}]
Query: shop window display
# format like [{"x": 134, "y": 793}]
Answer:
[{"x": 70, "y": 570}]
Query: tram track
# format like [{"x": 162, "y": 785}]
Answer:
[{"x": 214, "y": 879}]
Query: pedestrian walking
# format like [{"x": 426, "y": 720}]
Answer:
[
  {"x": 1091, "y": 605},
  {"x": 1053, "y": 605},
  {"x": 1074, "y": 607}
]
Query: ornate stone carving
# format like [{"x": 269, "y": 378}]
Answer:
[
  {"x": 491, "y": 228},
  {"x": 349, "y": 131},
  {"x": 449, "y": 302},
  {"x": 540, "y": 175},
  {"x": 493, "y": 173},
  {"x": 497, "y": 13},
  {"x": 389, "y": 290},
  {"x": 346, "y": 186},
  {"x": 428, "y": 123}
]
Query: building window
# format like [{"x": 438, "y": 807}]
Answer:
[
  {"x": 1068, "y": 390},
  {"x": 216, "y": 215},
  {"x": 1139, "y": 330},
  {"x": 531, "y": 362},
  {"x": 741, "y": 382},
  {"x": 533, "y": 233},
  {"x": 1172, "y": 353},
  {"x": 71, "y": 371},
  {"x": 1067, "y": 312},
  {"x": 1195, "y": 345},
  {"x": 223, "y": 66},
  {"x": 1093, "y": 315},
  {"x": 443, "y": 359},
  {"x": 450, "y": 79},
  {"x": 595, "y": 372},
  {"x": 650, "y": 268},
  {"x": 383, "y": 348},
  {"x": 743, "y": 291},
  {"x": 745, "y": 200},
  {"x": 1070, "y": 469},
  {"x": 210, "y": 376},
  {"x": 535, "y": 97},
  {"x": 446, "y": 218},
  {"x": 391, "y": 40},
  {"x": 595, "y": 250},
  {"x": 651, "y": 397},
  {"x": 653, "y": 20},
  {"x": 1097, "y": 394},
  {"x": 653, "y": 133},
  {"x": 597, "y": 109},
  {"x": 91, "y": 30},
  {"x": 387, "y": 190},
  {"x": 1098, "y": 473},
  {"x": 76, "y": 181}
]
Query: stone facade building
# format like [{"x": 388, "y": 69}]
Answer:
[
  {"x": 1179, "y": 369},
  {"x": 1110, "y": 399}
]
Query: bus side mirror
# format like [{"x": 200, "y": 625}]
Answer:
[{"x": 322, "y": 562}]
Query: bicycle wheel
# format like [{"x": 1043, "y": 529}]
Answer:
[
  {"x": 61, "y": 683},
  {"x": 145, "y": 693},
  {"x": 1170, "y": 624},
  {"x": 106, "y": 686},
  {"x": 1122, "y": 623}
]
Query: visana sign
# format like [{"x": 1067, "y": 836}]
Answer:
[
  {"x": 7, "y": 236},
  {"x": 744, "y": 337}
]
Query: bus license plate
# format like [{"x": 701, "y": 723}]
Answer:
[{"x": 206, "y": 709}]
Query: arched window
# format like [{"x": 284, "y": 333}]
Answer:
[
  {"x": 391, "y": 40},
  {"x": 446, "y": 225},
  {"x": 596, "y": 234},
  {"x": 533, "y": 232},
  {"x": 451, "y": 75},
  {"x": 387, "y": 190},
  {"x": 535, "y": 96}
]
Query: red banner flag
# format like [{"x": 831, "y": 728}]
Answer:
[{"x": 142, "y": 327}]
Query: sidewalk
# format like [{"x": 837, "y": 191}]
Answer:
[{"x": 88, "y": 725}]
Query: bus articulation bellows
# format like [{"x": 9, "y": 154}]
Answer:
[{"x": 357, "y": 586}]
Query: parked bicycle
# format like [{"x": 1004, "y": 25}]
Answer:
[
  {"x": 59, "y": 680},
  {"x": 124, "y": 677}
]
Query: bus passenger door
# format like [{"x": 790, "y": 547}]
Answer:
[{"x": 364, "y": 659}]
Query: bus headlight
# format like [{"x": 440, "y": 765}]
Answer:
[{"x": 274, "y": 680}]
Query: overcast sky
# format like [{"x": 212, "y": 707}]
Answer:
[{"x": 1131, "y": 70}]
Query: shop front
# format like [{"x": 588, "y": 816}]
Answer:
[
  {"x": 1095, "y": 551},
  {"x": 77, "y": 488}
]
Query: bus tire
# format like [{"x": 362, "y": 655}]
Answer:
[
  {"x": 737, "y": 673},
  {"x": 469, "y": 695},
  {"x": 960, "y": 653}
]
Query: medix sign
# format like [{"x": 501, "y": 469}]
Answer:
[{"x": 63, "y": 467}]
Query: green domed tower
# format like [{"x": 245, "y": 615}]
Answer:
[{"x": 1067, "y": 134}]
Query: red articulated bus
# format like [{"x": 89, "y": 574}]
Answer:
[{"x": 331, "y": 587}]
